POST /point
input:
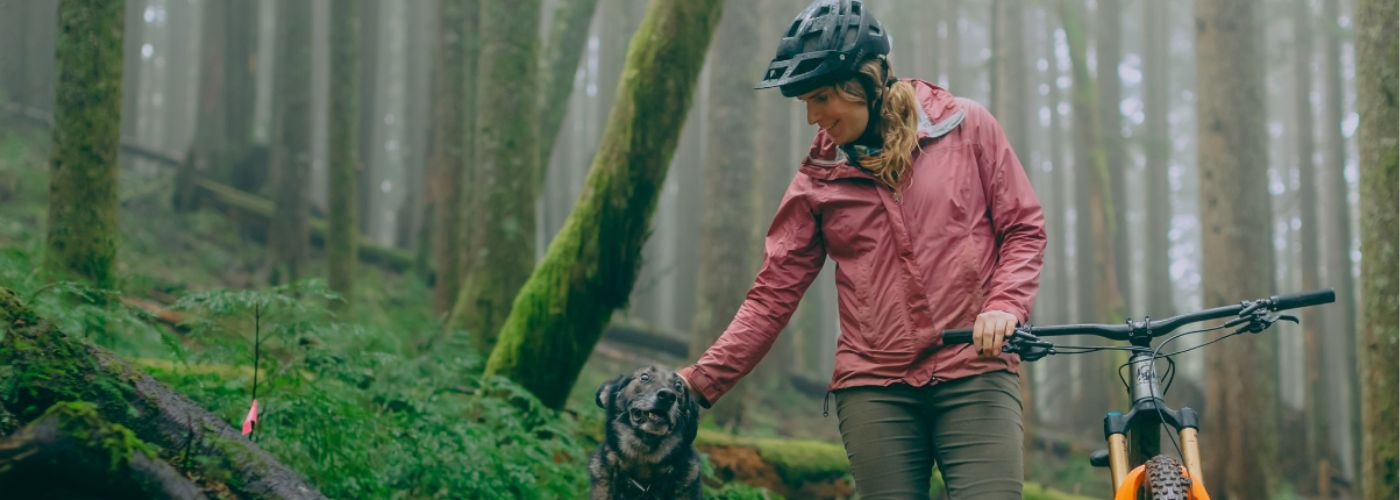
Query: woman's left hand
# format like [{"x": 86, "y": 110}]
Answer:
[{"x": 991, "y": 330}]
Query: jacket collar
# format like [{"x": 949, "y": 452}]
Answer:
[{"x": 828, "y": 161}]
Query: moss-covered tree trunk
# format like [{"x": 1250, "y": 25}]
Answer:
[
  {"x": 591, "y": 265},
  {"x": 500, "y": 248},
  {"x": 289, "y": 233},
  {"x": 82, "y": 224},
  {"x": 1099, "y": 298},
  {"x": 1237, "y": 248},
  {"x": 1377, "y": 51},
  {"x": 727, "y": 246},
  {"x": 44, "y": 368},
  {"x": 450, "y": 146},
  {"x": 343, "y": 147}
]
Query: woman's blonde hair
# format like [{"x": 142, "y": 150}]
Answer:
[{"x": 898, "y": 121}]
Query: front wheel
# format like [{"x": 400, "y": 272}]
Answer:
[
  {"x": 1161, "y": 478},
  {"x": 1166, "y": 480}
]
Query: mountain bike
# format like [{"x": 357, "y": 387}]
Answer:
[{"x": 1152, "y": 475}]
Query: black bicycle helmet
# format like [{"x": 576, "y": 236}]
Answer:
[{"x": 826, "y": 43}]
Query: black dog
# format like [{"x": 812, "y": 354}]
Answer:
[{"x": 647, "y": 449}]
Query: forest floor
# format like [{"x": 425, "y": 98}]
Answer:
[{"x": 357, "y": 399}]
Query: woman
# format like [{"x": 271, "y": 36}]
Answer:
[{"x": 931, "y": 220}]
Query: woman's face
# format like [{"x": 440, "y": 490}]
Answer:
[{"x": 843, "y": 120}]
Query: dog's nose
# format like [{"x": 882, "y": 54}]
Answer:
[{"x": 666, "y": 396}]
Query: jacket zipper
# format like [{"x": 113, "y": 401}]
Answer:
[{"x": 897, "y": 199}]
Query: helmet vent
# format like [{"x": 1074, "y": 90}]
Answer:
[
  {"x": 793, "y": 30},
  {"x": 806, "y": 66},
  {"x": 855, "y": 7},
  {"x": 822, "y": 11}
]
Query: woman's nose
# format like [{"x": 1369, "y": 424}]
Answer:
[{"x": 812, "y": 115}]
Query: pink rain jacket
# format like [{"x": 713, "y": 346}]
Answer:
[{"x": 963, "y": 234}]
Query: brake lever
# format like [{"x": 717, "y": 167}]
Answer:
[{"x": 1028, "y": 346}]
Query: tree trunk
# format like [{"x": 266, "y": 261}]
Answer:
[
  {"x": 1237, "y": 243},
  {"x": 1314, "y": 391},
  {"x": 343, "y": 148},
  {"x": 1341, "y": 356},
  {"x": 591, "y": 265},
  {"x": 289, "y": 234},
  {"x": 1376, "y": 78},
  {"x": 448, "y": 160},
  {"x": 1009, "y": 83},
  {"x": 209, "y": 122},
  {"x": 727, "y": 246},
  {"x": 1108, "y": 51},
  {"x": 50, "y": 368},
  {"x": 239, "y": 89},
  {"x": 1094, "y": 237},
  {"x": 558, "y": 64},
  {"x": 501, "y": 245},
  {"x": 82, "y": 223},
  {"x": 1157, "y": 150}
]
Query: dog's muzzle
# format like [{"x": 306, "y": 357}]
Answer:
[{"x": 655, "y": 416}]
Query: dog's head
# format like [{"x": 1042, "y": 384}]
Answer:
[{"x": 652, "y": 400}]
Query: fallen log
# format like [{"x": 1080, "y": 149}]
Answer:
[
  {"x": 44, "y": 367},
  {"x": 262, "y": 210},
  {"x": 70, "y": 440}
]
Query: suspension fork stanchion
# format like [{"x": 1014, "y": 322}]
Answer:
[
  {"x": 1190, "y": 446},
  {"x": 1118, "y": 458},
  {"x": 1115, "y": 428}
]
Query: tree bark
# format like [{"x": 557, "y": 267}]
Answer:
[
  {"x": 1377, "y": 51},
  {"x": 591, "y": 265},
  {"x": 289, "y": 234},
  {"x": 1237, "y": 244},
  {"x": 82, "y": 223},
  {"x": 343, "y": 148},
  {"x": 501, "y": 245},
  {"x": 448, "y": 162}
]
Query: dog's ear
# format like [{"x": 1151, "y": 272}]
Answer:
[{"x": 604, "y": 395}]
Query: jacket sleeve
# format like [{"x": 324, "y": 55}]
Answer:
[
  {"x": 793, "y": 255},
  {"x": 1016, "y": 218}
]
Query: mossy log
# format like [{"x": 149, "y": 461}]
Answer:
[
  {"x": 72, "y": 440},
  {"x": 42, "y": 367}
]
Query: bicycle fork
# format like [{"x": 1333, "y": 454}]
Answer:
[{"x": 1148, "y": 412}]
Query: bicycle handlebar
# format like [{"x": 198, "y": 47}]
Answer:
[{"x": 1157, "y": 328}]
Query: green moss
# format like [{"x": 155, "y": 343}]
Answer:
[{"x": 81, "y": 420}]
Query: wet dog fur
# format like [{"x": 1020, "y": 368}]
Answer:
[{"x": 647, "y": 450}]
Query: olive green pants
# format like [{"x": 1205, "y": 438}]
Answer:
[{"x": 970, "y": 428}]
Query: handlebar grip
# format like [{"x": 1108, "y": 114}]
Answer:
[
  {"x": 957, "y": 336},
  {"x": 1315, "y": 297}
]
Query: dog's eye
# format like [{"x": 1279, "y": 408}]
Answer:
[{"x": 646, "y": 377}]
